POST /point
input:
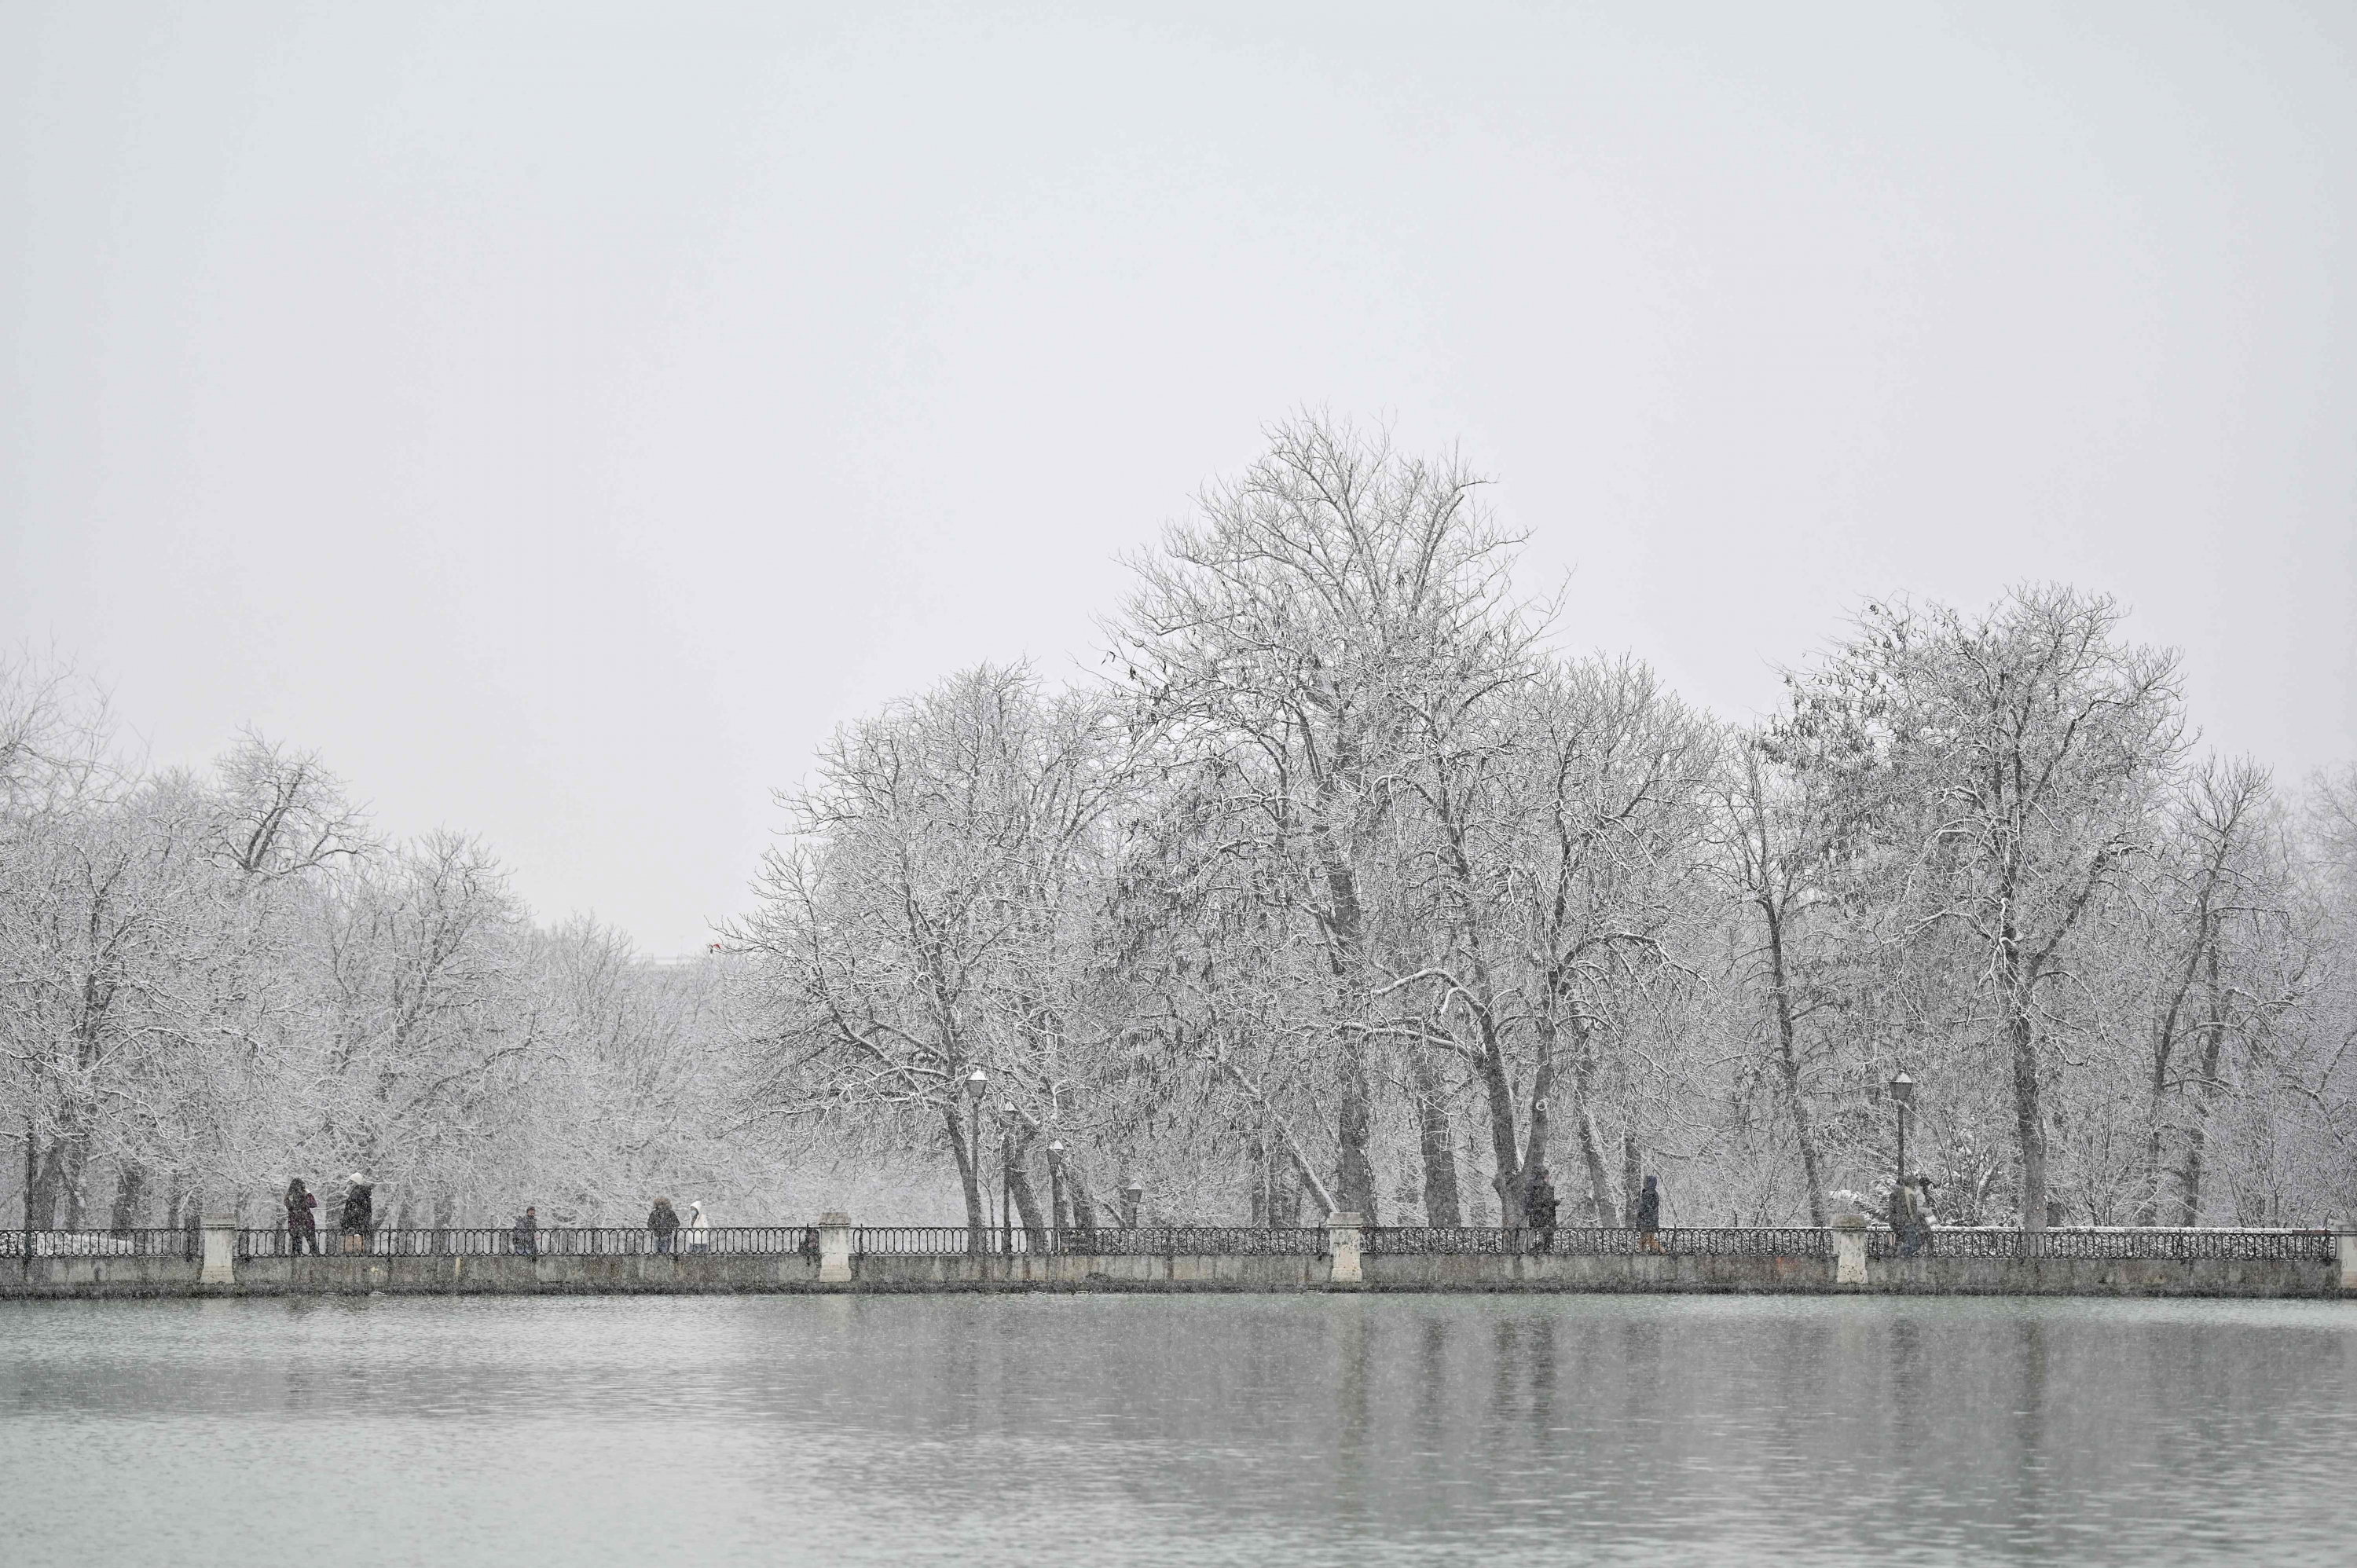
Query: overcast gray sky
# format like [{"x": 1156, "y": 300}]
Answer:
[{"x": 563, "y": 416}]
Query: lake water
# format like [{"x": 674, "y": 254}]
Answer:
[{"x": 1109, "y": 1429}]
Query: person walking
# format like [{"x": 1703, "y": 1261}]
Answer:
[
  {"x": 699, "y": 1230},
  {"x": 663, "y": 1220},
  {"x": 1539, "y": 1211},
  {"x": 1649, "y": 1215},
  {"x": 356, "y": 1222},
  {"x": 1902, "y": 1216},
  {"x": 526, "y": 1236},
  {"x": 302, "y": 1219},
  {"x": 1923, "y": 1214}
]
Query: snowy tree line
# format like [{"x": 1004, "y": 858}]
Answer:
[
  {"x": 210, "y": 983},
  {"x": 1343, "y": 889},
  {"x": 1348, "y": 890}
]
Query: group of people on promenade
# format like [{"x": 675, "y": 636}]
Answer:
[
  {"x": 1539, "y": 1214},
  {"x": 663, "y": 1222},
  {"x": 1911, "y": 1216},
  {"x": 356, "y": 1222}
]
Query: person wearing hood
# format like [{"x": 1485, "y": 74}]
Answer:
[
  {"x": 1539, "y": 1211},
  {"x": 699, "y": 1230},
  {"x": 527, "y": 1233},
  {"x": 1649, "y": 1215},
  {"x": 663, "y": 1220},
  {"x": 358, "y": 1220},
  {"x": 302, "y": 1218}
]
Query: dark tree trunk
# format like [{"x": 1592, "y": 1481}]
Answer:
[
  {"x": 1442, "y": 1204},
  {"x": 130, "y": 1197},
  {"x": 977, "y": 1217},
  {"x": 1275, "y": 1188},
  {"x": 1027, "y": 1202},
  {"x": 1354, "y": 1172},
  {"x": 1354, "y": 1176},
  {"x": 2197, "y": 1130},
  {"x": 1787, "y": 1063},
  {"x": 49, "y": 1186},
  {"x": 2029, "y": 1113},
  {"x": 1083, "y": 1205},
  {"x": 32, "y": 1176},
  {"x": 1591, "y": 1148}
]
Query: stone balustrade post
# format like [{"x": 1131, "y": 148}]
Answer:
[
  {"x": 220, "y": 1251},
  {"x": 1344, "y": 1239},
  {"x": 833, "y": 1248},
  {"x": 1849, "y": 1251},
  {"x": 2349, "y": 1256}
]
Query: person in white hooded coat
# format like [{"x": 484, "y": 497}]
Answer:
[{"x": 698, "y": 1229}]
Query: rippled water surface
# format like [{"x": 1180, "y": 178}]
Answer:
[{"x": 1177, "y": 1429}]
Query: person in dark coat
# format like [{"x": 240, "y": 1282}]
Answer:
[
  {"x": 1538, "y": 1212},
  {"x": 1649, "y": 1215},
  {"x": 1905, "y": 1222},
  {"x": 358, "y": 1220},
  {"x": 527, "y": 1233},
  {"x": 1923, "y": 1214},
  {"x": 302, "y": 1218},
  {"x": 663, "y": 1220}
]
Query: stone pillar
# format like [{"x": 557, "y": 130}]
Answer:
[
  {"x": 2349, "y": 1259},
  {"x": 1342, "y": 1239},
  {"x": 1849, "y": 1251},
  {"x": 221, "y": 1250},
  {"x": 834, "y": 1249},
  {"x": 1133, "y": 1199}
]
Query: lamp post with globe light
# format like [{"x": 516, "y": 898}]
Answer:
[
  {"x": 1056, "y": 1194},
  {"x": 1007, "y": 1178},
  {"x": 1903, "y": 1095},
  {"x": 977, "y": 1084}
]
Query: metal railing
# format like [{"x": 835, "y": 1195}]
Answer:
[
  {"x": 186, "y": 1244},
  {"x": 546, "y": 1241},
  {"x": 1598, "y": 1241},
  {"x": 1098, "y": 1241},
  {"x": 140, "y": 1243},
  {"x": 2123, "y": 1243},
  {"x": 1221, "y": 1241}
]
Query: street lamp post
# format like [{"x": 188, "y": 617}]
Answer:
[
  {"x": 32, "y": 1172},
  {"x": 1056, "y": 1194},
  {"x": 1007, "y": 1178},
  {"x": 1903, "y": 1094},
  {"x": 977, "y": 1084}
]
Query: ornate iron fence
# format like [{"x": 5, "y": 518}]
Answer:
[
  {"x": 1097, "y": 1240},
  {"x": 2120, "y": 1243},
  {"x": 922, "y": 1241},
  {"x": 1202, "y": 1240},
  {"x": 546, "y": 1241},
  {"x": 1599, "y": 1242},
  {"x": 186, "y": 1244},
  {"x": 180, "y": 1243}
]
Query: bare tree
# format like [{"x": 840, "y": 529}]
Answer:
[
  {"x": 929, "y": 913},
  {"x": 2018, "y": 755},
  {"x": 1290, "y": 635}
]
